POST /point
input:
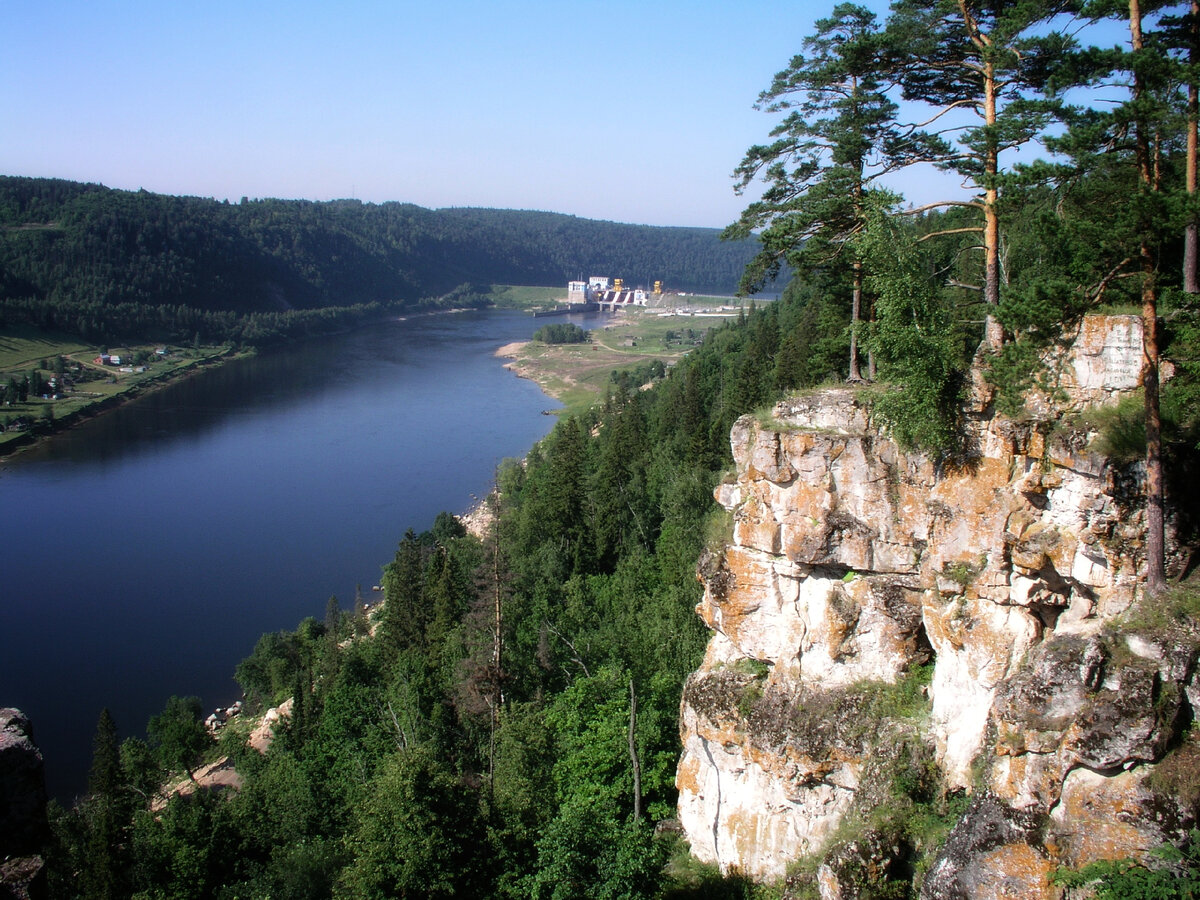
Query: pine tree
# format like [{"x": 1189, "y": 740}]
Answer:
[
  {"x": 106, "y": 813},
  {"x": 1123, "y": 145},
  {"x": 986, "y": 58},
  {"x": 840, "y": 135},
  {"x": 404, "y": 612}
]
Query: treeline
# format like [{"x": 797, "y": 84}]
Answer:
[
  {"x": 69, "y": 242},
  {"x": 561, "y": 333},
  {"x": 189, "y": 325}
]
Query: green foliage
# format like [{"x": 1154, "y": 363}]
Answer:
[
  {"x": 1170, "y": 874},
  {"x": 561, "y": 333},
  {"x": 905, "y": 699},
  {"x": 1012, "y": 372},
  {"x": 178, "y": 734},
  {"x": 755, "y": 668},
  {"x": 268, "y": 675},
  {"x": 1181, "y": 394},
  {"x": 914, "y": 342},
  {"x": 686, "y": 878},
  {"x": 587, "y": 853},
  {"x": 183, "y": 852},
  {"x": 1120, "y": 429},
  {"x": 1178, "y": 606},
  {"x": 962, "y": 572},
  {"x": 419, "y": 834}
]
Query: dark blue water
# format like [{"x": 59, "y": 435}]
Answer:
[{"x": 144, "y": 552}]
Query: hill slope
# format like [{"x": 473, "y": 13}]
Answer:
[{"x": 63, "y": 241}]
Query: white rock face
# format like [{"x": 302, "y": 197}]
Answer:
[
  {"x": 1107, "y": 356},
  {"x": 851, "y": 561}
]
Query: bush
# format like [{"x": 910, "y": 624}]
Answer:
[
  {"x": 1169, "y": 873},
  {"x": 561, "y": 333}
]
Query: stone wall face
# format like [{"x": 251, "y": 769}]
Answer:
[
  {"x": 852, "y": 562},
  {"x": 23, "y": 828}
]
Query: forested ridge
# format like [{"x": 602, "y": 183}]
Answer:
[
  {"x": 511, "y": 728},
  {"x": 90, "y": 259}
]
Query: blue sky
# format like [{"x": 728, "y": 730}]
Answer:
[{"x": 630, "y": 110}]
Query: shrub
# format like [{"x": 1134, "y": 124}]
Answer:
[{"x": 561, "y": 333}]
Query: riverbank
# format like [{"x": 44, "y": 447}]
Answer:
[
  {"x": 577, "y": 375},
  {"x": 118, "y": 389},
  {"x": 24, "y": 349}
]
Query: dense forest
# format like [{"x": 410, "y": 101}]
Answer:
[
  {"x": 510, "y": 730},
  {"x": 101, "y": 262}
]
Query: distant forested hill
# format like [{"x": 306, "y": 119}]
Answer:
[{"x": 66, "y": 242}]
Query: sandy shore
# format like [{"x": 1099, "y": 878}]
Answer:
[{"x": 513, "y": 349}]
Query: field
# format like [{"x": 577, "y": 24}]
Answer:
[
  {"x": 83, "y": 385},
  {"x": 578, "y": 374},
  {"x": 21, "y": 346},
  {"x": 508, "y": 296}
]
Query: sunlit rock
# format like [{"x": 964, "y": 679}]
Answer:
[{"x": 853, "y": 563}]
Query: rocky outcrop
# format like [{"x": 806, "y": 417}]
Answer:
[
  {"x": 23, "y": 829},
  {"x": 983, "y": 595}
]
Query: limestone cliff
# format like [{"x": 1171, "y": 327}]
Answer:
[{"x": 878, "y": 620}]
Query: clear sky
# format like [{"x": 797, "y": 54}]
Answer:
[{"x": 629, "y": 110}]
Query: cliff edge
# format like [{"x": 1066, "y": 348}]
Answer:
[{"x": 888, "y": 632}]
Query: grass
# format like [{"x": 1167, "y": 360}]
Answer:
[
  {"x": 510, "y": 296},
  {"x": 1178, "y": 606},
  {"x": 1120, "y": 429},
  {"x": 23, "y": 348},
  {"x": 579, "y": 374}
]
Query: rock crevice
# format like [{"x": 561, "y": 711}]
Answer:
[{"x": 855, "y": 566}]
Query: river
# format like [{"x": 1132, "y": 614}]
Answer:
[{"x": 145, "y": 551}]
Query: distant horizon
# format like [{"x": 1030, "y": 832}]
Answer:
[
  {"x": 235, "y": 201},
  {"x": 238, "y": 201},
  {"x": 628, "y": 112}
]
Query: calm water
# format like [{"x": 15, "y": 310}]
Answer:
[{"x": 144, "y": 552}]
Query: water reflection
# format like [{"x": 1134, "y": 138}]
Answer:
[{"x": 147, "y": 549}]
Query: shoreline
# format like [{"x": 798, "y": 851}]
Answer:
[
  {"x": 47, "y": 432},
  {"x": 512, "y": 352}
]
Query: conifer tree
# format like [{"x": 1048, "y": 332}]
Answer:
[
  {"x": 1124, "y": 146},
  {"x": 106, "y": 813},
  {"x": 984, "y": 58},
  {"x": 404, "y": 612},
  {"x": 840, "y": 135}
]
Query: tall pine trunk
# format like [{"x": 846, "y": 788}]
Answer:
[
  {"x": 1155, "y": 537},
  {"x": 993, "y": 330},
  {"x": 855, "y": 316},
  {"x": 1191, "y": 284}
]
